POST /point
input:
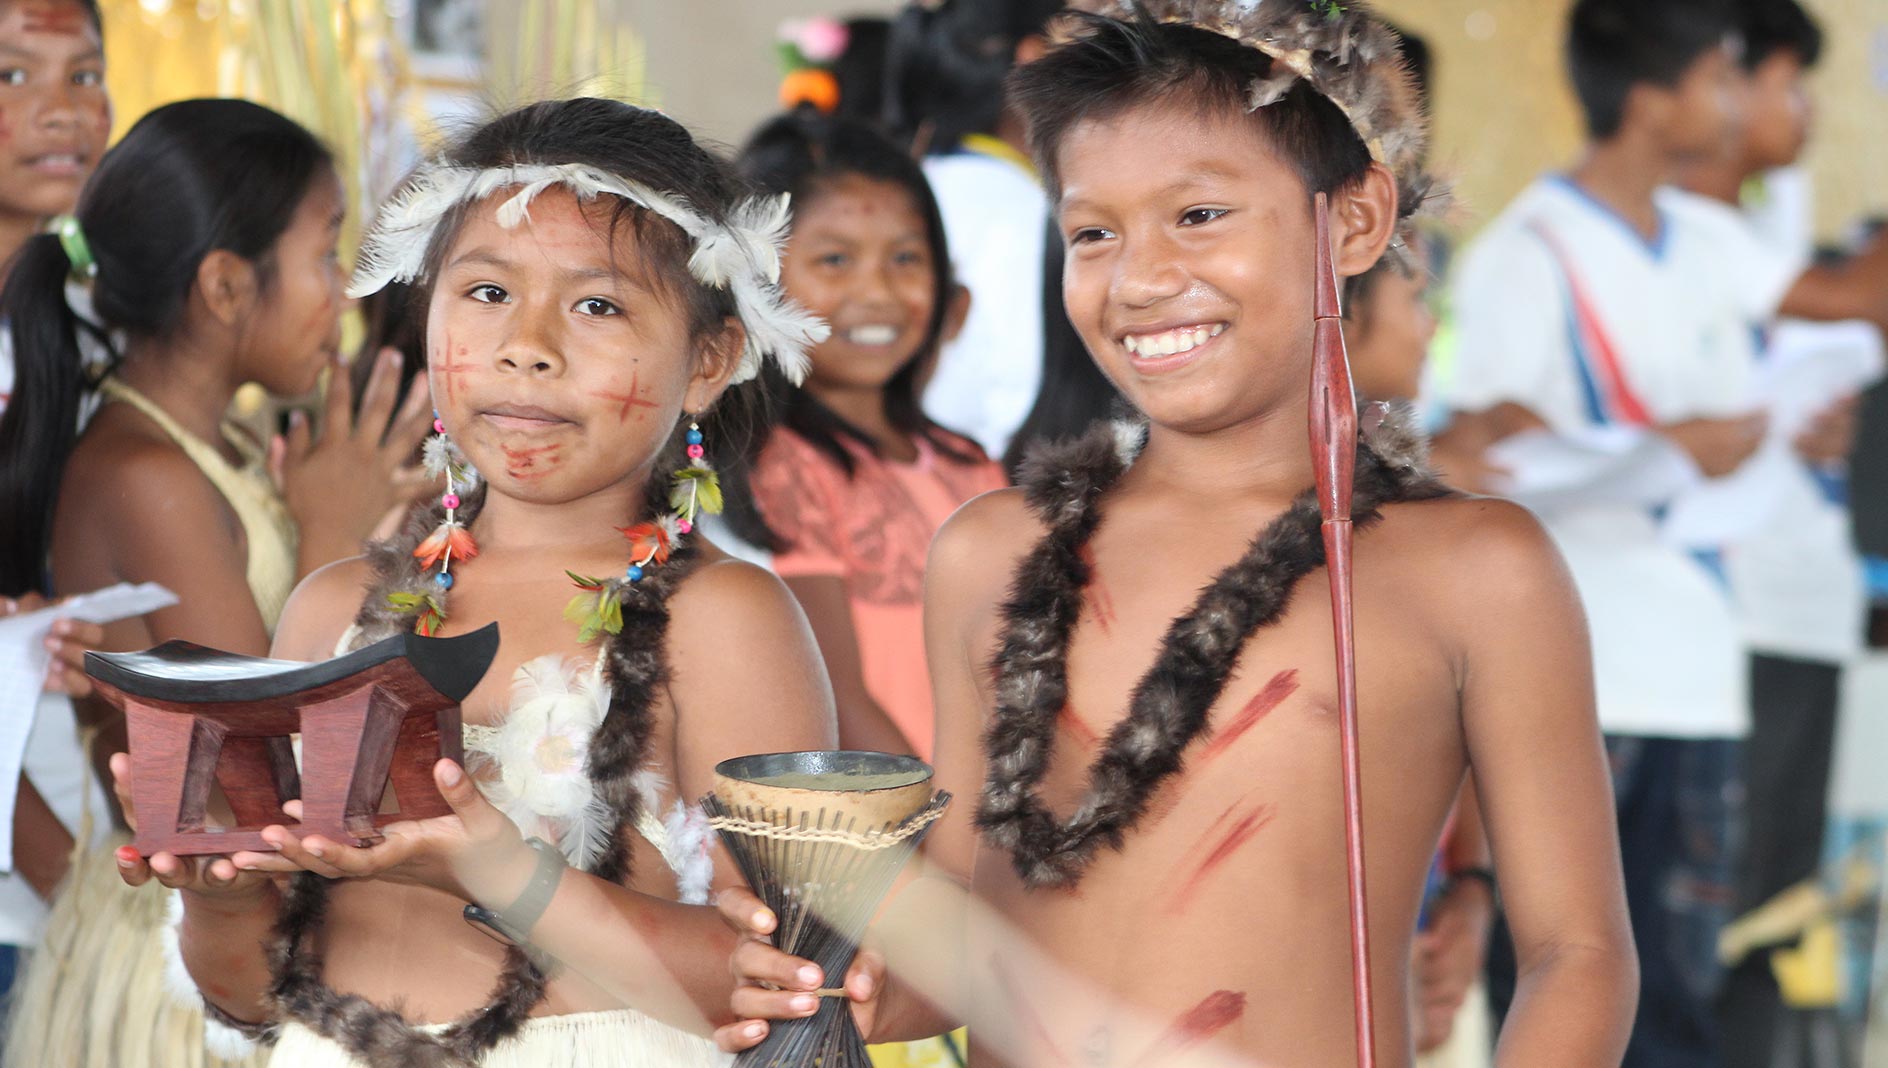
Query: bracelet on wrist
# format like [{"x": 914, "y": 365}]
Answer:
[{"x": 514, "y": 922}]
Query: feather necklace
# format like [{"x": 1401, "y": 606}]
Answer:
[
  {"x": 633, "y": 617},
  {"x": 1065, "y": 484}
]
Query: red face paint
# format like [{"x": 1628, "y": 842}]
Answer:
[
  {"x": 452, "y": 365},
  {"x": 630, "y": 401},
  {"x": 1283, "y": 685},
  {"x": 1216, "y": 1012},
  {"x": 531, "y": 463},
  {"x": 1100, "y": 601},
  {"x": 1233, "y": 829},
  {"x": 1025, "y": 1014},
  {"x": 65, "y": 20}
]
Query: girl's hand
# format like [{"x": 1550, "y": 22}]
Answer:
[
  {"x": 772, "y": 985},
  {"x": 68, "y": 643},
  {"x": 206, "y": 877},
  {"x": 476, "y": 853},
  {"x": 339, "y": 487}
]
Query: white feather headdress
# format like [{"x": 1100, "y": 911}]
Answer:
[{"x": 741, "y": 256}]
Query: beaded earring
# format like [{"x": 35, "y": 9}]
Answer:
[
  {"x": 451, "y": 538},
  {"x": 694, "y": 490}
]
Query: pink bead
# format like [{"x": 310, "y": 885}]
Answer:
[
  {"x": 695, "y": 452},
  {"x": 683, "y": 526},
  {"x": 439, "y": 426},
  {"x": 451, "y": 500}
]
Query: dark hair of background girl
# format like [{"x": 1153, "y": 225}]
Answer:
[
  {"x": 945, "y": 65},
  {"x": 654, "y": 150},
  {"x": 799, "y": 153},
  {"x": 188, "y": 179},
  {"x": 1074, "y": 393}
]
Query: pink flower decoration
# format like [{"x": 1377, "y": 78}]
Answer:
[{"x": 821, "y": 40}]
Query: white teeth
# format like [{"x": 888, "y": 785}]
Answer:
[
  {"x": 1171, "y": 342},
  {"x": 876, "y": 334}
]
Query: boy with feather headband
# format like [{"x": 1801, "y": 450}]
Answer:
[{"x": 1131, "y": 684}]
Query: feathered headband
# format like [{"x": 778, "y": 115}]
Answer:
[
  {"x": 1338, "y": 48},
  {"x": 740, "y": 255}
]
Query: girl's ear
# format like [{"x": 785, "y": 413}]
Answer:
[
  {"x": 1363, "y": 220},
  {"x": 955, "y": 313},
  {"x": 227, "y": 286},
  {"x": 720, "y": 357}
]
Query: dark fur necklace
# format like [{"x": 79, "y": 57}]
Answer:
[
  {"x": 1065, "y": 484},
  {"x": 636, "y": 667}
]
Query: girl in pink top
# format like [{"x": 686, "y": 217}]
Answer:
[{"x": 854, "y": 480}]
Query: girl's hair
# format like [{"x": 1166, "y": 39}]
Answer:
[
  {"x": 946, "y": 63},
  {"x": 649, "y": 148},
  {"x": 190, "y": 178},
  {"x": 1074, "y": 393},
  {"x": 801, "y": 154}
]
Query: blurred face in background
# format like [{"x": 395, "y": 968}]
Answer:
[
  {"x": 1777, "y": 112},
  {"x": 1701, "y": 116},
  {"x": 1388, "y": 330},
  {"x": 54, "y": 115}
]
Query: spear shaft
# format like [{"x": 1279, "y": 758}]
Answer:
[{"x": 1334, "y": 454}]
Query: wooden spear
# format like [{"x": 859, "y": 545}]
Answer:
[{"x": 1333, "y": 455}]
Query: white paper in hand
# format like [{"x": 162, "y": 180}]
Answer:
[{"x": 23, "y": 664}]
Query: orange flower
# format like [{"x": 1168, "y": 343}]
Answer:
[
  {"x": 810, "y": 86},
  {"x": 647, "y": 542},
  {"x": 449, "y": 537}
]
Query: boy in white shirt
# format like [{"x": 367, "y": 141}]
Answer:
[
  {"x": 1612, "y": 316},
  {"x": 1796, "y": 576}
]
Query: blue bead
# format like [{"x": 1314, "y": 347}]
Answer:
[
  {"x": 694, "y": 437},
  {"x": 444, "y": 578},
  {"x": 634, "y": 574}
]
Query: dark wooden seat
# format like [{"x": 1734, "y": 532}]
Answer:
[{"x": 378, "y": 716}]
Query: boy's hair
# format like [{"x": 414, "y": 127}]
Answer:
[
  {"x": 1614, "y": 45},
  {"x": 1773, "y": 26},
  {"x": 648, "y": 148},
  {"x": 946, "y": 63},
  {"x": 188, "y": 179},
  {"x": 1110, "y": 65},
  {"x": 801, "y": 154},
  {"x": 89, "y": 7}
]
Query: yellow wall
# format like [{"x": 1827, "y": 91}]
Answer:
[{"x": 1504, "y": 112}]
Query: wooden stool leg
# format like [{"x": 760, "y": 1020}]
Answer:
[
  {"x": 420, "y": 735},
  {"x": 170, "y": 807},
  {"x": 347, "y": 748}
]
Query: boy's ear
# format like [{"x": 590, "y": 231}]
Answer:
[
  {"x": 227, "y": 286},
  {"x": 1363, "y": 220},
  {"x": 720, "y": 357},
  {"x": 955, "y": 314}
]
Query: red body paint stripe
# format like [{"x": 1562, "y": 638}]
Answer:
[
  {"x": 1241, "y": 831},
  {"x": 1013, "y": 994},
  {"x": 1282, "y": 685},
  {"x": 1100, "y": 601},
  {"x": 1216, "y": 1012}
]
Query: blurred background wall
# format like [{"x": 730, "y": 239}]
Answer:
[{"x": 372, "y": 75}]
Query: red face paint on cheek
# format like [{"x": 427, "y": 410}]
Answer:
[
  {"x": 1281, "y": 686},
  {"x": 1232, "y": 830},
  {"x": 529, "y": 464},
  {"x": 630, "y": 402},
  {"x": 450, "y": 365}
]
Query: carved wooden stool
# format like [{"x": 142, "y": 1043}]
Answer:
[{"x": 378, "y": 716}]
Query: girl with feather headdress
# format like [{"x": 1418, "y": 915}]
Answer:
[{"x": 596, "y": 286}]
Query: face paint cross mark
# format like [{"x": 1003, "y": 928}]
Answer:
[
  {"x": 1233, "y": 829},
  {"x": 453, "y": 366},
  {"x": 630, "y": 401}
]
